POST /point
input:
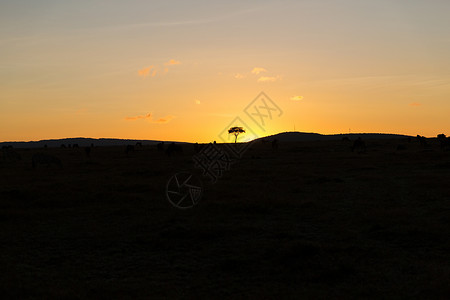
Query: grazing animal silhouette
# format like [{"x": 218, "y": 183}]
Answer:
[
  {"x": 359, "y": 145},
  {"x": 173, "y": 148},
  {"x": 75, "y": 146},
  {"x": 423, "y": 141},
  {"x": 139, "y": 144},
  {"x": 45, "y": 159},
  {"x": 444, "y": 142}
]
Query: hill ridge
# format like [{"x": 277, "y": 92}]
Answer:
[{"x": 288, "y": 136}]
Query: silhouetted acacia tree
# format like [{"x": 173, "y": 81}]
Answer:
[{"x": 236, "y": 131}]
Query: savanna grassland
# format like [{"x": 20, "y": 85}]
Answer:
[{"x": 311, "y": 219}]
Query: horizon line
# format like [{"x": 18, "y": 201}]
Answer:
[{"x": 156, "y": 140}]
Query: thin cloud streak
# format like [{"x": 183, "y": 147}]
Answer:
[
  {"x": 146, "y": 71},
  {"x": 256, "y": 70},
  {"x": 172, "y": 62},
  {"x": 268, "y": 78},
  {"x": 164, "y": 120},
  {"x": 148, "y": 117},
  {"x": 296, "y": 98}
]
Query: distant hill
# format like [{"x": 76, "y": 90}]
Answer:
[
  {"x": 282, "y": 137},
  {"x": 82, "y": 142},
  {"x": 305, "y": 136}
]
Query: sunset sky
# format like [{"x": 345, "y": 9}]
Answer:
[{"x": 183, "y": 70}]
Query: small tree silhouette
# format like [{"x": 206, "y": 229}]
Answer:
[{"x": 236, "y": 131}]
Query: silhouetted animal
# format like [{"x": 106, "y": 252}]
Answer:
[
  {"x": 63, "y": 146},
  {"x": 346, "y": 139},
  {"x": 173, "y": 148},
  {"x": 138, "y": 144},
  {"x": 129, "y": 148},
  {"x": 444, "y": 141},
  {"x": 45, "y": 159},
  {"x": 359, "y": 145},
  {"x": 423, "y": 141},
  {"x": 75, "y": 146}
]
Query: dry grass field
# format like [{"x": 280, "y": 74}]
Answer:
[{"x": 309, "y": 220}]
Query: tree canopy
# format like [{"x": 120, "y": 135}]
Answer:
[{"x": 236, "y": 131}]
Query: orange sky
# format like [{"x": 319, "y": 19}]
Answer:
[{"x": 183, "y": 71}]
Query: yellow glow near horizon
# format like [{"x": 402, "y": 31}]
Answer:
[{"x": 152, "y": 71}]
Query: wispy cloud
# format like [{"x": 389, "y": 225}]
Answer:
[
  {"x": 296, "y": 98},
  {"x": 149, "y": 118},
  {"x": 164, "y": 120},
  {"x": 415, "y": 104},
  {"x": 268, "y": 78},
  {"x": 172, "y": 62},
  {"x": 257, "y": 70},
  {"x": 147, "y": 71},
  {"x": 153, "y": 70}
]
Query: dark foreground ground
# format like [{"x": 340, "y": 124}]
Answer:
[{"x": 311, "y": 220}]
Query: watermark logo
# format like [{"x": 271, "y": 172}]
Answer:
[
  {"x": 262, "y": 108},
  {"x": 213, "y": 161},
  {"x": 184, "y": 190}
]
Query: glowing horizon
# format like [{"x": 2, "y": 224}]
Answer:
[{"x": 183, "y": 71}]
